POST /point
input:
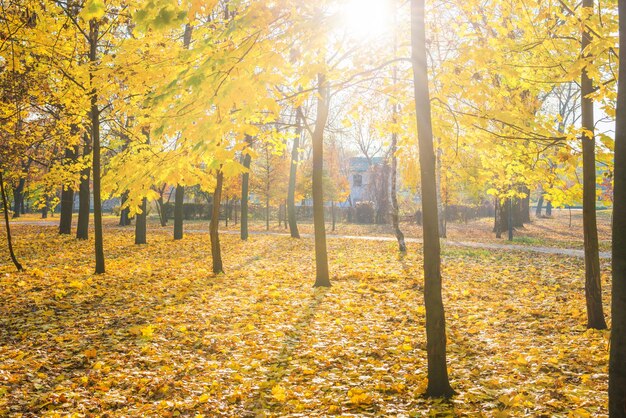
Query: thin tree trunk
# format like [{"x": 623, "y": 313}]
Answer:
[
  {"x": 617, "y": 357},
  {"x": 179, "y": 199},
  {"x": 216, "y": 251},
  {"x": 322, "y": 276},
  {"x": 67, "y": 199},
  {"x": 124, "y": 212},
  {"x": 549, "y": 209},
  {"x": 245, "y": 180},
  {"x": 539, "y": 204},
  {"x": 84, "y": 196},
  {"x": 332, "y": 215},
  {"x": 395, "y": 210},
  {"x": 141, "y": 223},
  {"x": 593, "y": 289},
  {"x": 161, "y": 210},
  {"x": 440, "y": 211},
  {"x": 267, "y": 210},
  {"x": 293, "y": 170},
  {"x": 438, "y": 383},
  {"x": 5, "y": 206},
  {"x": 227, "y": 210},
  {"x": 95, "y": 137}
]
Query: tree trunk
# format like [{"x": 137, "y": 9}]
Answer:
[
  {"x": 124, "y": 212},
  {"x": 525, "y": 206},
  {"x": 332, "y": 215},
  {"x": 322, "y": 276},
  {"x": 267, "y": 210},
  {"x": 95, "y": 138},
  {"x": 549, "y": 209},
  {"x": 216, "y": 251},
  {"x": 395, "y": 210},
  {"x": 593, "y": 289},
  {"x": 161, "y": 210},
  {"x": 440, "y": 210},
  {"x": 84, "y": 196},
  {"x": 539, "y": 204},
  {"x": 227, "y": 210},
  {"x": 18, "y": 198},
  {"x": 245, "y": 180},
  {"x": 178, "y": 212},
  {"x": 5, "y": 206},
  {"x": 67, "y": 199},
  {"x": 141, "y": 223},
  {"x": 438, "y": 383},
  {"x": 293, "y": 170},
  {"x": 617, "y": 358}
]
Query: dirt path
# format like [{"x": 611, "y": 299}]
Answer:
[{"x": 451, "y": 243}]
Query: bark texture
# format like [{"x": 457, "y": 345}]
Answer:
[
  {"x": 438, "y": 383},
  {"x": 593, "y": 289},
  {"x": 216, "y": 250},
  {"x": 322, "y": 276},
  {"x": 617, "y": 359}
]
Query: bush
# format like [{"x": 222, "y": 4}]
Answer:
[{"x": 365, "y": 213}]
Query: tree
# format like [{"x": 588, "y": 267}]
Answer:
[
  {"x": 245, "y": 188},
  {"x": 322, "y": 276},
  {"x": 593, "y": 292},
  {"x": 617, "y": 358},
  {"x": 293, "y": 170},
  {"x": 216, "y": 251},
  {"x": 438, "y": 383}
]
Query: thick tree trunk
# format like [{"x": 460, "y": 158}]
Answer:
[
  {"x": 95, "y": 138},
  {"x": 18, "y": 198},
  {"x": 322, "y": 276},
  {"x": 178, "y": 212},
  {"x": 438, "y": 383},
  {"x": 5, "y": 206},
  {"x": 617, "y": 359},
  {"x": 593, "y": 289},
  {"x": 549, "y": 209},
  {"x": 84, "y": 196},
  {"x": 216, "y": 251},
  {"x": 525, "y": 206},
  {"x": 67, "y": 199},
  {"x": 141, "y": 223},
  {"x": 245, "y": 182},
  {"x": 293, "y": 170}
]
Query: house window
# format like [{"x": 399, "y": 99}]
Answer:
[{"x": 357, "y": 180}]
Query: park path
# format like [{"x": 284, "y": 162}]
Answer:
[{"x": 450, "y": 243}]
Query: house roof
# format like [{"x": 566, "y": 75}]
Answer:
[{"x": 361, "y": 164}]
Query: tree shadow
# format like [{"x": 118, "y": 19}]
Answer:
[{"x": 279, "y": 367}]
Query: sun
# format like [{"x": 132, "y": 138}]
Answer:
[{"x": 368, "y": 19}]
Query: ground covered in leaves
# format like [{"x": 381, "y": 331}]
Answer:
[{"x": 160, "y": 335}]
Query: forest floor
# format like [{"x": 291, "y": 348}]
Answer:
[{"x": 160, "y": 335}]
